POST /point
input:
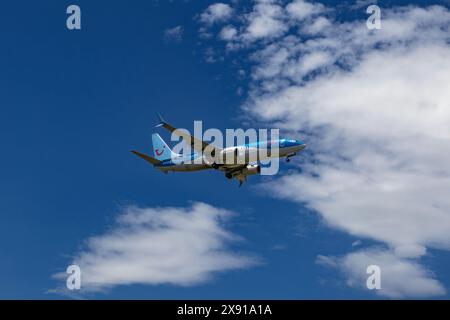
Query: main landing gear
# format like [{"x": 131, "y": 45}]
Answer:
[
  {"x": 241, "y": 178},
  {"x": 215, "y": 166}
]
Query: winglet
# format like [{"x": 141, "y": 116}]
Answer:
[{"x": 161, "y": 120}]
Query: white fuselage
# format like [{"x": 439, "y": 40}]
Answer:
[{"x": 230, "y": 157}]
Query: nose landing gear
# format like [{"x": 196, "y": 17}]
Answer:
[{"x": 288, "y": 157}]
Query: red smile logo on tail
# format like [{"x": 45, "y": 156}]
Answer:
[{"x": 158, "y": 153}]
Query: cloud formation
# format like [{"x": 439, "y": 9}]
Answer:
[
  {"x": 399, "y": 277},
  {"x": 217, "y": 12},
  {"x": 177, "y": 246},
  {"x": 375, "y": 108},
  {"x": 265, "y": 21}
]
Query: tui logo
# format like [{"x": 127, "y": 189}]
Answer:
[{"x": 158, "y": 153}]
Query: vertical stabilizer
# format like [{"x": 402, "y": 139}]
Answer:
[{"x": 160, "y": 149}]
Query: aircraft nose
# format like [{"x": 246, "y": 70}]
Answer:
[{"x": 301, "y": 144}]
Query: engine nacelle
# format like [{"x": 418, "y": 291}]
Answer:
[
  {"x": 233, "y": 155},
  {"x": 251, "y": 169}
]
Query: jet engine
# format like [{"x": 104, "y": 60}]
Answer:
[
  {"x": 242, "y": 174},
  {"x": 251, "y": 169}
]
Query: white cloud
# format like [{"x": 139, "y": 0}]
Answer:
[
  {"x": 300, "y": 9},
  {"x": 399, "y": 277},
  {"x": 217, "y": 12},
  {"x": 317, "y": 26},
  {"x": 173, "y": 34},
  {"x": 410, "y": 251},
  {"x": 264, "y": 21},
  {"x": 383, "y": 146},
  {"x": 228, "y": 33},
  {"x": 375, "y": 106},
  {"x": 178, "y": 246}
]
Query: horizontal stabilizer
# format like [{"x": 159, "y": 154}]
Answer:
[
  {"x": 147, "y": 158},
  {"x": 161, "y": 120}
]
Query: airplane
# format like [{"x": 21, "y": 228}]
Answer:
[{"x": 166, "y": 160}]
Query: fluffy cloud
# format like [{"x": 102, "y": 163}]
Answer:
[
  {"x": 382, "y": 146},
  {"x": 264, "y": 21},
  {"x": 374, "y": 106},
  {"x": 300, "y": 9},
  {"x": 228, "y": 33},
  {"x": 399, "y": 277},
  {"x": 216, "y": 12},
  {"x": 178, "y": 246}
]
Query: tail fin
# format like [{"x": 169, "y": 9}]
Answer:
[{"x": 161, "y": 149}]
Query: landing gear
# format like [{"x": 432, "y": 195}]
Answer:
[
  {"x": 241, "y": 178},
  {"x": 288, "y": 157}
]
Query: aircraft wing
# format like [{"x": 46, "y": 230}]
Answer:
[
  {"x": 232, "y": 168},
  {"x": 195, "y": 143},
  {"x": 147, "y": 158}
]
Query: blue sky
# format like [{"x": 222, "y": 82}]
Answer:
[{"x": 74, "y": 103}]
